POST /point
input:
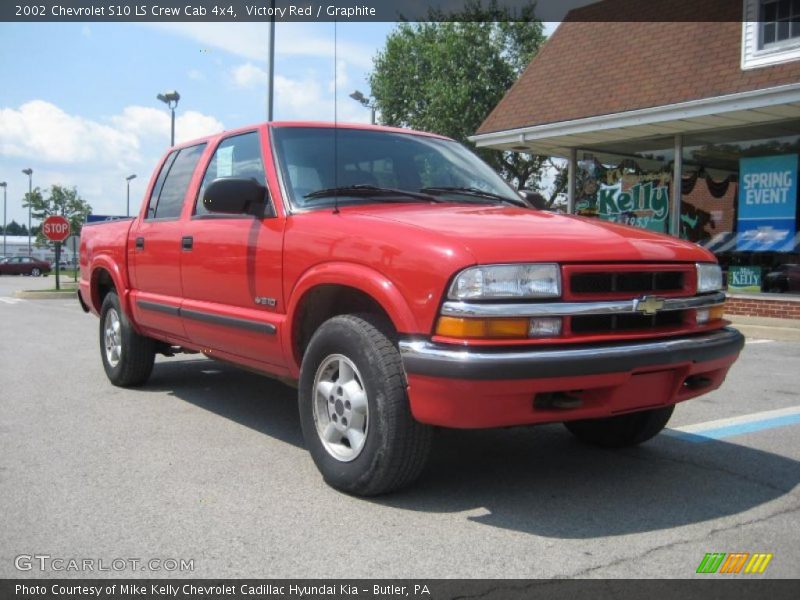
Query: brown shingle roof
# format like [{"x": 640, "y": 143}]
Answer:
[{"x": 589, "y": 68}]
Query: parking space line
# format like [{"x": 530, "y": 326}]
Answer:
[
  {"x": 8, "y": 300},
  {"x": 723, "y": 428},
  {"x": 759, "y": 341}
]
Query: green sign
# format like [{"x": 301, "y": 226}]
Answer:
[{"x": 744, "y": 279}]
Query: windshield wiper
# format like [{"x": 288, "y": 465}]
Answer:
[
  {"x": 369, "y": 190},
  {"x": 471, "y": 191}
]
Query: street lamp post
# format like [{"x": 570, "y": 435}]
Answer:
[
  {"x": 171, "y": 100},
  {"x": 128, "y": 180},
  {"x": 366, "y": 102},
  {"x": 29, "y": 173},
  {"x": 4, "y": 185}
]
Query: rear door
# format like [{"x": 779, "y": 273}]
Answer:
[
  {"x": 155, "y": 246},
  {"x": 231, "y": 264}
]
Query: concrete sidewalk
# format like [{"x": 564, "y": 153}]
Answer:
[{"x": 784, "y": 330}]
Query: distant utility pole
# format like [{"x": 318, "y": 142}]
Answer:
[
  {"x": 271, "y": 83},
  {"x": 29, "y": 173},
  {"x": 171, "y": 100},
  {"x": 128, "y": 179}
]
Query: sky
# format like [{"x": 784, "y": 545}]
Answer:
[{"x": 78, "y": 101}]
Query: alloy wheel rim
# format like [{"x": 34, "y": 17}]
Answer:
[
  {"x": 341, "y": 409},
  {"x": 112, "y": 337}
]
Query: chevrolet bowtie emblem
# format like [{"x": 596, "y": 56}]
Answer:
[{"x": 648, "y": 305}]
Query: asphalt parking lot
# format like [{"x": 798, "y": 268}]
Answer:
[{"x": 207, "y": 463}]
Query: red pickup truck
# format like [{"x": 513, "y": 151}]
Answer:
[{"x": 403, "y": 285}]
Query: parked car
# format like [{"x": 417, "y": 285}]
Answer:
[
  {"x": 403, "y": 285},
  {"x": 24, "y": 265},
  {"x": 784, "y": 278}
]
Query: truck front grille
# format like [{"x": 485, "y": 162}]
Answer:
[
  {"x": 627, "y": 282},
  {"x": 585, "y": 324}
]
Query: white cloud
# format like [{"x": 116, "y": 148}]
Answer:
[
  {"x": 251, "y": 40},
  {"x": 145, "y": 122},
  {"x": 43, "y": 131},
  {"x": 341, "y": 79},
  {"x": 196, "y": 75},
  {"x": 94, "y": 156},
  {"x": 248, "y": 76}
]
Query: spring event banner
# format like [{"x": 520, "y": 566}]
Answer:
[{"x": 767, "y": 203}]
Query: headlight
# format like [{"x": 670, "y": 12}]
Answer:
[
  {"x": 709, "y": 277},
  {"x": 541, "y": 280}
]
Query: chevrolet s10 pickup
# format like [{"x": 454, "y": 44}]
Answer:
[{"x": 403, "y": 285}]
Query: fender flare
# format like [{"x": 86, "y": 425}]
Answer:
[
  {"x": 105, "y": 263},
  {"x": 365, "y": 279}
]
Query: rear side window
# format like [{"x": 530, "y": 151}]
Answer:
[
  {"x": 238, "y": 156},
  {"x": 167, "y": 198}
]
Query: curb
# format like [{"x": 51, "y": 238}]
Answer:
[
  {"x": 34, "y": 295},
  {"x": 779, "y": 334}
]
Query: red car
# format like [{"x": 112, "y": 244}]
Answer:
[
  {"x": 404, "y": 285},
  {"x": 24, "y": 265}
]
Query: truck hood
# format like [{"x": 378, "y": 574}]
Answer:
[{"x": 496, "y": 234}]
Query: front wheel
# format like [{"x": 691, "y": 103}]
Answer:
[
  {"x": 35, "y": 272},
  {"x": 622, "y": 430},
  {"x": 354, "y": 410},
  {"x": 127, "y": 356}
]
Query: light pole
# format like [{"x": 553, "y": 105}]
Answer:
[
  {"x": 29, "y": 173},
  {"x": 128, "y": 179},
  {"x": 4, "y": 185},
  {"x": 171, "y": 100},
  {"x": 366, "y": 102},
  {"x": 271, "y": 82}
]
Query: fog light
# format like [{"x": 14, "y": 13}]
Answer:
[{"x": 545, "y": 327}]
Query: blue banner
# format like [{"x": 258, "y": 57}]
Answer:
[{"x": 767, "y": 203}]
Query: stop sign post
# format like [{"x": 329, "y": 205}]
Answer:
[{"x": 56, "y": 229}]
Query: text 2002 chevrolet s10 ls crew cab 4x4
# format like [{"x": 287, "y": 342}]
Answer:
[{"x": 404, "y": 285}]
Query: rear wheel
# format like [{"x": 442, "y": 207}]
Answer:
[
  {"x": 127, "y": 356},
  {"x": 354, "y": 410},
  {"x": 623, "y": 430},
  {"x": 35, "y": 272}
]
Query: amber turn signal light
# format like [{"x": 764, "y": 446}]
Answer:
[{"x": 482, "y": 328}]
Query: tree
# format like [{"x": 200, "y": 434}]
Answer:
[
  {"x": 61, "y": 201},
  {"x": 15, "y": 228},
  {"x": 447, "y": 75}
]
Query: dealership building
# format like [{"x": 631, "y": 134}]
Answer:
[{"x": 683, "y": 127}]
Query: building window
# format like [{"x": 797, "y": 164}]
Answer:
[
  {"x": 770, "y": 32},
  {"x": 779, "y": 22}
]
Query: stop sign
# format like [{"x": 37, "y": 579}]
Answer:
[{"x": 55, "y": 228}]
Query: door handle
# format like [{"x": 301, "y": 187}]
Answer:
[
  {"x": 140, "y": 243},
  {"x": 187, "y": 242}
]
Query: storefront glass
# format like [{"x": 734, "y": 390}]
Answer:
[{"x": 739, "y": 196}]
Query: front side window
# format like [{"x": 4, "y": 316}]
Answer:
[
  {"x": 314, "y": 159},
  {"x": 178, "y": 172},
  {"x": 238, "y": 156}
]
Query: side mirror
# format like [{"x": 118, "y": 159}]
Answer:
[
  {"x": 535, "y": 199},
  {"x": 233, "y": 196}
]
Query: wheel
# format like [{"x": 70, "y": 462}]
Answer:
[
  {"x": 354, "y": 410},
  {"x": 621, "y": 431},
  {"x": 35, "y": 272},
  {"x": 127, "y": 356}
]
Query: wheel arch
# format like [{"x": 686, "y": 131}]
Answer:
[{"x": 339, "y": 288}]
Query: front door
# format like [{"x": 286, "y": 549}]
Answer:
[{"x": 231, "y": 265}]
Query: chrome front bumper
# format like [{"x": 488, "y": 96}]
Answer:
[{"x": 440, "y": 360}]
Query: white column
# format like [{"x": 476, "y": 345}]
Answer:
[
  {"x": 677, "y": 181},
  {"x": 572, "y": 169}
]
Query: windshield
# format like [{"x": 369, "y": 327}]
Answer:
[{"x": 394, "y": 161}]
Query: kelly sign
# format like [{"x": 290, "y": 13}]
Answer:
[
  {"x": 744, "y": 279},
  {"x": 767, "y": 203}
]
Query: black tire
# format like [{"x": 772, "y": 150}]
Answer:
[
  {"x": 623, "y": 430},
  {"x": 396, "y": 447},
  {"x": 35, "y": 272},
  {"x": 137, "y": 353}
]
